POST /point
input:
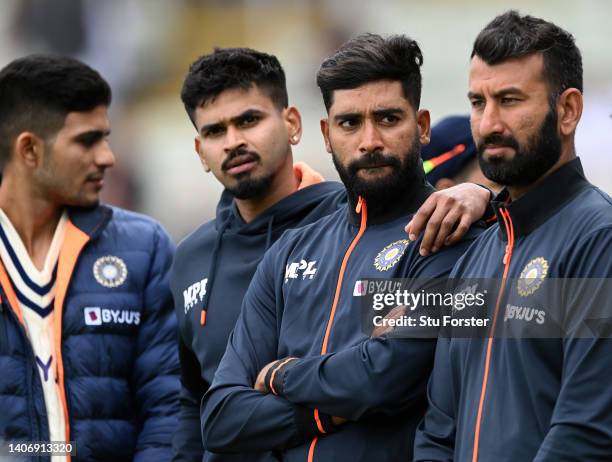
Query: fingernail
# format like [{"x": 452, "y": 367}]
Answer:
[
  {"x": 412, "y": 237},
  {"x": 434, "y": 249},
  {"x": 423, "y": 252}
]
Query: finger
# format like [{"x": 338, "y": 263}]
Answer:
[
  {"x": 433, "y": 225},
  {"x": 452, "y": 218},
  {"x": 462, "y": 228},
  {"x": 421, "y": 217}
]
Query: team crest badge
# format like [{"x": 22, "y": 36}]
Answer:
[
  {"x": 532, "y": 276},
  {"x": 110, "y": 271},
  {"x": 388, "y": 257}
]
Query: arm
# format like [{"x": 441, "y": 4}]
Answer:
[
  {"x": 348, "y": 383},
  {"x": 435, "y": 436},
  {"x": 156, "y": 368},
  {"x": 187, "y": 439},
  {"x": 235, "y": 417},
  {"x": 581, "y": 424}
]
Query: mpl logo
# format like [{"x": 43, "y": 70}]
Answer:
[
  {"x": 360, "y": 289},
  {"x": 193, "y": 293},
  {"x": 305, "y": 268},
  {"x": 96, "y": 316}
]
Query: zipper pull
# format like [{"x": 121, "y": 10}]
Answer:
[{"x": 359, "y": 203}]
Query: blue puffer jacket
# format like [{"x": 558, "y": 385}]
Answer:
[{"x": 117, "y": 364}]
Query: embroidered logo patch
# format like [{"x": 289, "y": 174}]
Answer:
[
  {"x": 388, "y": 257},
  {"x": 110, "y": 271},
  {"x": 532, "y": 276}
]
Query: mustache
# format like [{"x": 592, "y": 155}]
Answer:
[
  {"x": 373, "y": 159},
  {"x": 498, "y": 140},
  {"x": 240, "y": 151}
]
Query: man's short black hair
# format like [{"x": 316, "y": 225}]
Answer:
[
  {"x": 228, "y": 68},
  {"x": 511, "y": 35},
  {"x": 38, "y": 91},
  {"x": 369, "y": 58}
]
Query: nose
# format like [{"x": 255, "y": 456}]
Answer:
[
  {"x": 104, "y": 155},
  {"x": 371, "y": 140},
  {"x": 489, "y": 122},
  {"x": 233, "y": 139}
]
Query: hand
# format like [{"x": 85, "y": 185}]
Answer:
[
  {"x": 260, "y": 383},
  {"x": 453, "y": 208},
  {"x": 395, "y": 313}
]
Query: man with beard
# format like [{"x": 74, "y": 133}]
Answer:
[
  {"x": 301, "y": 301},
  {"x": 522, "y": 397},
  {"x": 237, "y": 100}
]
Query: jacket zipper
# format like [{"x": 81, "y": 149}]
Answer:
[
  {"x": 361, "y": 209},
  {"x": 483, "y": 391}
]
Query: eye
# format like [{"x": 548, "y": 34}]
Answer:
[
  {"x": 348, "y": 124},
  {"x": 389, "y": 119},
  {"x": 213, "y": 132},
  {"x": 248, "y": 120},
  {"x": 506, "y": 100},
  {"x": 477, "y": 103}
]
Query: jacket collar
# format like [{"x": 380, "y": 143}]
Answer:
[
  {"x": 543, "y": 201},
  {"x": 90, "y": 220}
]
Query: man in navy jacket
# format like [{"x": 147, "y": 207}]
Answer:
[
  {"x": 302, "y": 300},
  {"x": 87, "y": 333},
  {"x": 237, "y": 100},
  {"x": 531, "y": 395}
]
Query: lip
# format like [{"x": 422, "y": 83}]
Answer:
[
  {"x": 97, "y": 181},
  {"x": 497, "y": 150},
  {"x": 241, "y": 164}
]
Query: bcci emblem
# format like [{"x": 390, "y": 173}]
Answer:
[
  {"x": 110, "y": 271},
  {"x": 532, "y": 276},
  {"x": 390, "y": 255}
]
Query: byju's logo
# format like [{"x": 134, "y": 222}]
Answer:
[
  {"x": 93, "y": 316},
  {"x": 96, "y": 316},
  {"x": 360, "y": 289},
  {"x": 304, "y": 268}
]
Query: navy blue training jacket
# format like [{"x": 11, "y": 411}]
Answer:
[
  {"x": 210, "y": 276},
  {"x": 544, "y": 399},
  {"x": 118, "y": 370},
  {"x": 288, "y": 312}
]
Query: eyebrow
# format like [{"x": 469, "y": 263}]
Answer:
[
  {"x": 249, "y": 112},
  {"x": 377, "y": 112},
  {"x": 499, "y": 94},
  {"x": 92, "y": 135}
]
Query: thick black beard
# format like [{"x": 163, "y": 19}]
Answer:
[
  {"x": 381, "y": 195},
  {"x": 530, "y": 162}
]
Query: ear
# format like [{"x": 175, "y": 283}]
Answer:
[
  {"x": 200, "y": 152},
  {"x": 29, "y": 150},
  {"x": 424, "y": 124},
  {"x": 293, "y": 121},
  {"x": 325, "y": 131},
  {"x": 569, "y": 110}
]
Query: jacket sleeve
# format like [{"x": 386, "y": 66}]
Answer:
[
  {"x": 581, "y": 424},
  {"x": 235, "y": 417},
  {"x": 349, "y": 383},
  {"x": 187, "y": 439},
  {"x": 155, "y": 376}
]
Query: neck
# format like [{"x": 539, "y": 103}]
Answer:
[
  {"x": 567, "y": 155},
  {"x": 34, "y": 218},
  {"x": 284, "y": 184}
]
